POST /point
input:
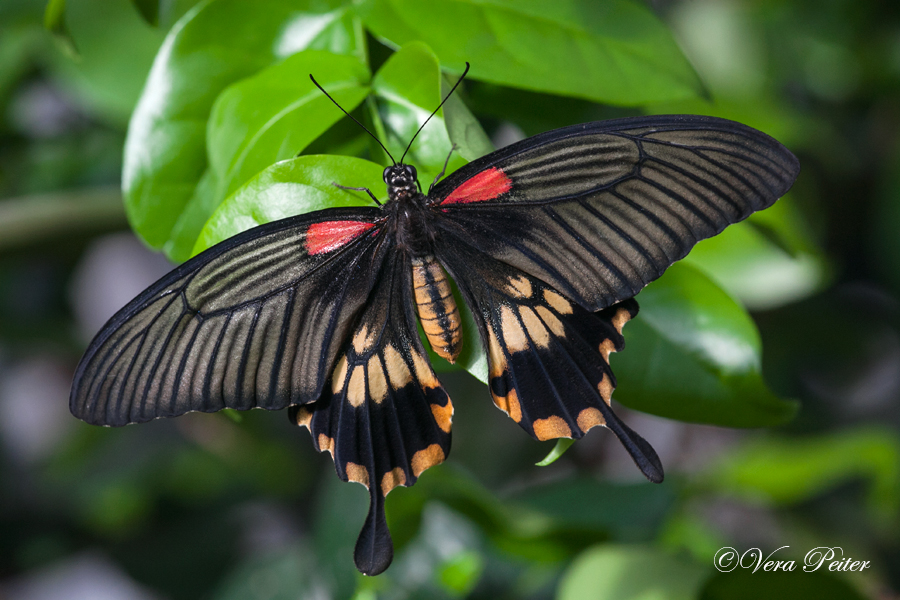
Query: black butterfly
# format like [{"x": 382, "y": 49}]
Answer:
[{"x": 548, "y": 239}]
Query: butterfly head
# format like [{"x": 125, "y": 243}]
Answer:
[{"x": 402, "y": 181}]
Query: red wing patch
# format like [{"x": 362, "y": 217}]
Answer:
[
  {"x": 331, "y": 235},
  {"x": 486, "y": 185}
]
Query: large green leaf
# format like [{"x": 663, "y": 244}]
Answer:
[
  {"x": 789, "y": 471},
  {"x": 262, "y": 119},
  {"x": 464, "y": 130},
  {"x": 693, "y": 354},
  {"x": 213, "y": 45},
  {"x": 615, "y": 51},
  {"x": 292, "y": 187},
  {"x": 767, "y": 261},
  {"x": 615, "y": 572},
  {"x": 629, "y": 512},
  {"x": 408, "y": 89},
  {"x": 277, "y": 113}
]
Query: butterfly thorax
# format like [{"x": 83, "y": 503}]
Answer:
[{"x": 415, "y": 235}]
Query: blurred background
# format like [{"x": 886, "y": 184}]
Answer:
[{"x": 219, "y": 507}]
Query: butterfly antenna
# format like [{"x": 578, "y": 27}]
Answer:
[
  {"x": 354, "y": 118},
  {"x": 456, "y": 85}
]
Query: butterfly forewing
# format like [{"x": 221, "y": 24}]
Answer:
[
  {"x": 600, "y": 210},
  {"x": 384, "y": 416},
  {"x": 231, "y": 328}
]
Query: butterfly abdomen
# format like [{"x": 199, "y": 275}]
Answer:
[{"x": 436, "y": 307}]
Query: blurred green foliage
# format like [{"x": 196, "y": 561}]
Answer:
[{"x": 205, "y": 114}]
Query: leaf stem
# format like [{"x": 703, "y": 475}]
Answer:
[{"x": 28, "y": 219}]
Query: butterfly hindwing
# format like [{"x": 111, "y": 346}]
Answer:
[
  {"x": 601, "y": 209},
  {"x": 231, "y": 328},
  {"x": 384, "y": 416},
  {"x": 548, "y": 357}
]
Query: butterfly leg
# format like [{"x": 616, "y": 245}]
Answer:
[
  {"x": 357, "y": 189},
  {"x": 453, "y": 148}
]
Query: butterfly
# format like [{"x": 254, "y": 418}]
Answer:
[{"x": 548, "y": 240}]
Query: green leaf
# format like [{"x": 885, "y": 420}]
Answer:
[
  {"x": 212, "y": 46},
  {"x": 693, "y": 354},
  {"x": 276, "y": 113},
  {"x": 471, "y": 357},
  {"x": 613, "y": 572},
  {"x": 789, "y": 471},
  {"x": 689, "y": 531},
  {"x": 465, "y": 131},
  {"x": 408, "y": 88},
  {"x": 201, "y": 205},
  {"x": 459, "y": 574},
  {"x": 549, "y": 523},
  {"x": 627, "y": 512},
  {"x": 508, "y": 524},
  {"x": 149, "y": 10},
  {"x": 616, "y": 52},
  {"x": 291, "y": 187},
  {"x": 767, "y": 261},
  {"x": 55, "y": 23},
  {"x": 115, "y": 53},
  {"x": 744, "y": 584},
  {"x": 55, "y": 15}
]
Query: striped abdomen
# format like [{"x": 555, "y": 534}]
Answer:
[{"x": 436, "y": 307}]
